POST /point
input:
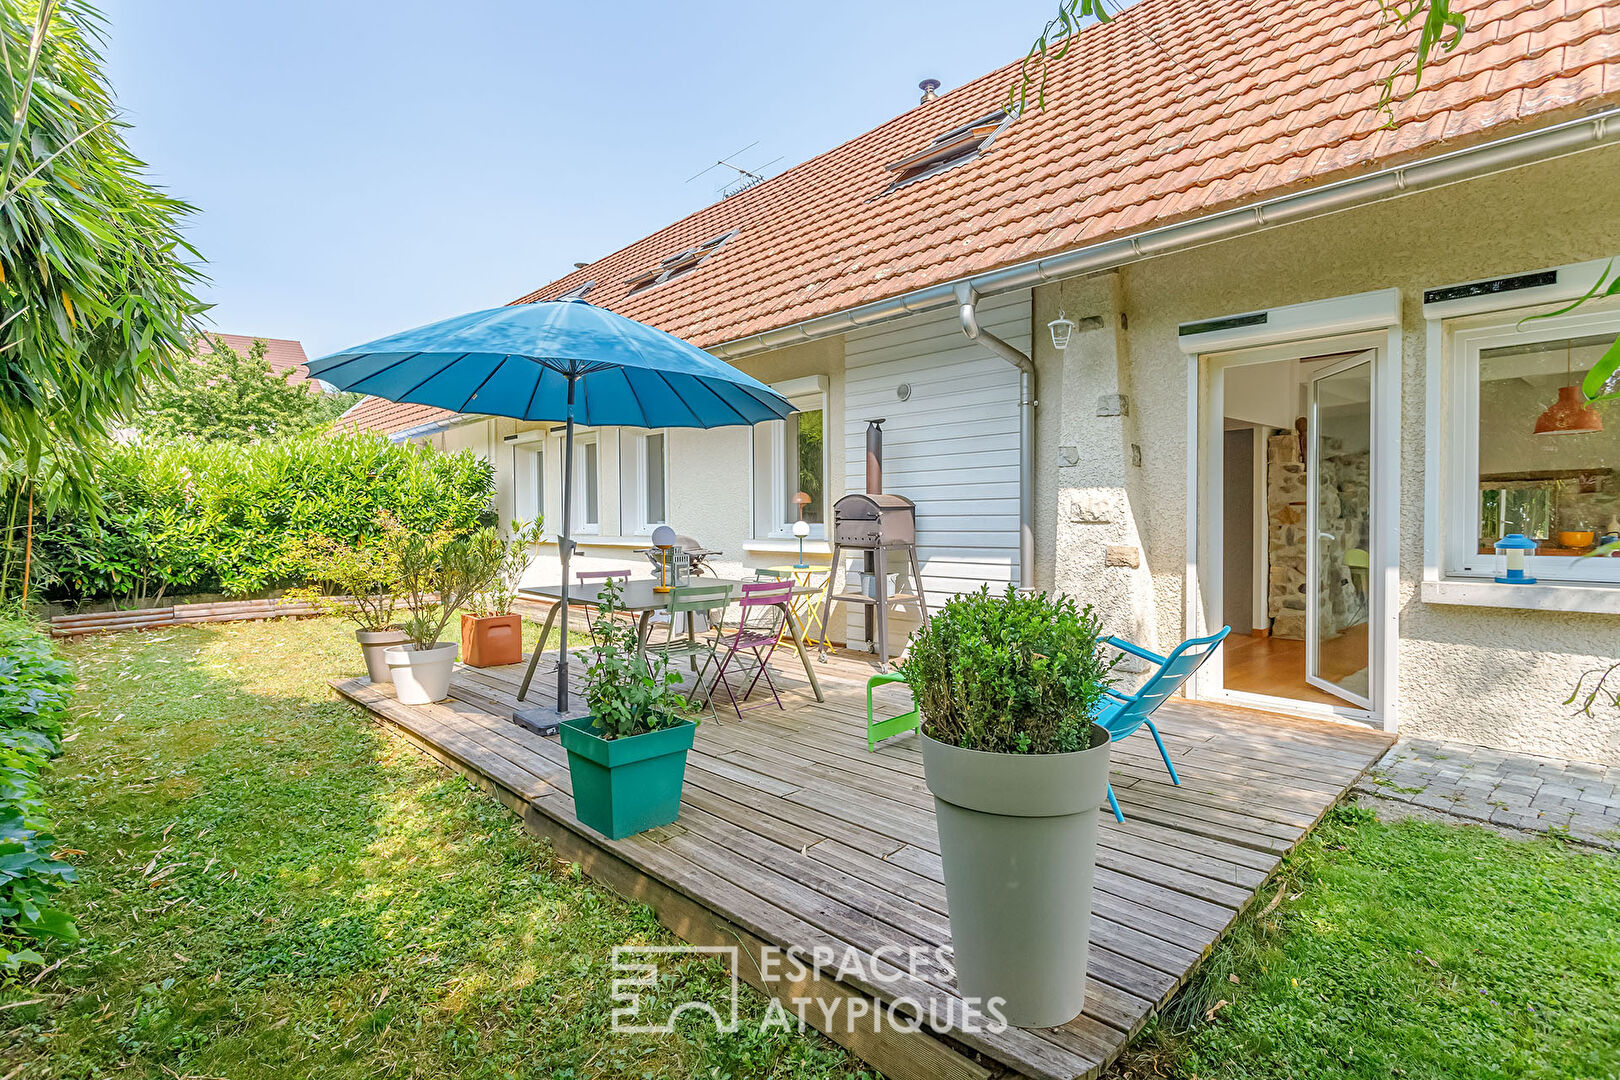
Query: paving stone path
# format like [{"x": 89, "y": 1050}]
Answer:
[{"x": 1515, "y": 791}]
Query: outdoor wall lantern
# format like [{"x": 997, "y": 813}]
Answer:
[
  {"x": 1511, "y": 549},
  {"x": 1061, "y": 328},
  {"x": 663, "y": 539},
  {"x": 801, "y": 528}
]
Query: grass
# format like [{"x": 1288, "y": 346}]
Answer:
[
  {"x": 274, "y": 888},
  {"x": 1412, "y": 950}
]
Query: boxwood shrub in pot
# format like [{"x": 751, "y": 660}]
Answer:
[
  {"x": 1007, "y": 686},
  {"x": 627, "y": 759}
]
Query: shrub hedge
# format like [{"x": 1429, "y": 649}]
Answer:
[
  {"x": 195, "y": 517},
  {"x": 34, "y": 689}
]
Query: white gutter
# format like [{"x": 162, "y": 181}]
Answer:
[
  {"x": 968, "y": 315},
  {"x": 433, "y": 428},
  {"x": 1567, "y": 138}
]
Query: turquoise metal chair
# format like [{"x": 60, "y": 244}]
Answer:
[
  {"x": 1128, "y": 712},
  {"x": 1122, "y": 716}
]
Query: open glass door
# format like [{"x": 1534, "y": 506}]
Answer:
[{"x": 1338, "y": 646}]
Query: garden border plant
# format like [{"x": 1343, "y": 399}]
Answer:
[
  {"x": 1007, "y": 687},
  {"x": 34, "y": 689}
]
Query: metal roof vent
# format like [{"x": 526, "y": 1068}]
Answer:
[{"x": 930, "y": 90}]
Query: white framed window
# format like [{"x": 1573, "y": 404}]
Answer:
[
  {"x": 1502, "y": 475},
  {"x": 528, "y": 481},
  {"x": 587, "y": 509},
  {"x": 790, "y": 456},
  {"x": 649, "y": 486}
]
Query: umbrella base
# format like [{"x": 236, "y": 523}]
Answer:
[{"x": 542, "y": 719}]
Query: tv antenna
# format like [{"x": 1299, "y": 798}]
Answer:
[{"x": 745, "y": 178}]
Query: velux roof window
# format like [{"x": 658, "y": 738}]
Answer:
[
  {"x": 679, "y": 264},
  {"x": 957, "y": 146}
]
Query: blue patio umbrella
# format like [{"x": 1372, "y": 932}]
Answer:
[{"x": 556, "y": 360}]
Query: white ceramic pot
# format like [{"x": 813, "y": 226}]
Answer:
[
  {"x": 373, "y": 645},
  {"x": 422, "y": 676}
]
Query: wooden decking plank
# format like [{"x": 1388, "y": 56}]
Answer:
[{"x": 793, "y": 833}]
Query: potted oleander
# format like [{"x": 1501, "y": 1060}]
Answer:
[
  {"x": 627, "y": 759},
  {"x": 437, "y": 575},
  {"x": 359, "y": 582},
  {"x": 1008, "y": 686},
  {"x": 491, "y": 635}
]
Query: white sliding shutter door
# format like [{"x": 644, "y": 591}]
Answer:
[{"x": 951, "y": 447}]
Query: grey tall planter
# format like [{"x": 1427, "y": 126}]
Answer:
[{"x": 1018, "y": 834}]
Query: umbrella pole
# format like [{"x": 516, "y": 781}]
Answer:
[{"x": 565, "y": 544}]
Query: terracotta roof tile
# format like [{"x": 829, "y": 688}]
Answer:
[{"x": 1176, "y": 107}]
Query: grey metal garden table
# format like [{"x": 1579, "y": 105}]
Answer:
[{"x": 637, "y": 597}]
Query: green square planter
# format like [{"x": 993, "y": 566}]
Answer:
[{"x": 626, "y": 786}]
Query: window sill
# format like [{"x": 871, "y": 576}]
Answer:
[
  {"x": 772, "y": 546},
  {"x": 589, "y": 540},
  {"x": 1542, "y": 596}
]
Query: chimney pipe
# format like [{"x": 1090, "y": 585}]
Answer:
[
  {"x": 874, "y": 457},
  {"x": 929, "y": 88}
]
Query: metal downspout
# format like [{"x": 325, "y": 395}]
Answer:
[{"x": 966, "y": 298}]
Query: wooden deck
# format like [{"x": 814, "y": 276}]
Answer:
[{"x": 792, "y": 834}]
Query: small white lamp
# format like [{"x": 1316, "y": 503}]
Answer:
[
  {"x": 1061, "y": 328},
  {"x": 663, "y": 539},
  {"x": 801, "y": 528}
]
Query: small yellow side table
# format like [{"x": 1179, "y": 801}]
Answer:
[{"x": 807, "y": 605}]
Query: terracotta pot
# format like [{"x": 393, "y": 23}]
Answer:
[
  {"x": 422, "y": 676},
  {"x": 491, "y": 640},
  {"x": 373, "y": 644}
]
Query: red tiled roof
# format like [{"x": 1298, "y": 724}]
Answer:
[
  {"x": 282, "y": 354},
  {"x": 1176, "y": 109},
  {"x": 388, "y": 417}
]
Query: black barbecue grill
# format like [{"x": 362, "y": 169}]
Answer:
[{"x": 875, "y": 524}]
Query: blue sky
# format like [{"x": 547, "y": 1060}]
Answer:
[{"x": 361, "y": 168}]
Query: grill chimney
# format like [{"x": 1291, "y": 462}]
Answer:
[
  {"x": 874, "y": 457},
  {"x": 929, "y": 88}
]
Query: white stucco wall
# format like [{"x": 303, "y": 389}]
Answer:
[
  {"x": 709, "y": 478},
  {"x": 1486, "y": 675}
]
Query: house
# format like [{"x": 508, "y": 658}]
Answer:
[{"x": 1298, "y": 395}]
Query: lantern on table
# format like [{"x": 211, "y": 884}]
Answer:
[
  {"x": 663, "y": 539},
  {"x": 1511, "y": 549},
  {"x": 801, "y": 528}
]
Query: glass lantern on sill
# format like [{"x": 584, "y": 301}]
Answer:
[{"x": 1511, "y": 550}]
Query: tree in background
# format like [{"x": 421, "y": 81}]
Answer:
[
  {"x": 224, "y": 395},
  {"x": 95, "y": 287}
]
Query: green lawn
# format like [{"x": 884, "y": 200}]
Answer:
[
  {"x": 274, "y": 888},
  {"x": 1410, "y": 950}
]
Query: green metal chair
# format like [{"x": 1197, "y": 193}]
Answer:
[
  {"x": 690, "y": 601},
  {"x": 878, "y": 730}
]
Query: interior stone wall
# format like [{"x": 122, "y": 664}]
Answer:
[{"x": 1285, "y": 518}]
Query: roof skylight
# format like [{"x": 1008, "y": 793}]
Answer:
[
  {"x": 679, "y": 264},
  {"x": 958, "y": 146}
]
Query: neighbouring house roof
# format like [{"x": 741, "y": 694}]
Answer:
[
  {"x": 389, "y": 417},
  {"x": 1176, "y": 109},
  {"x": 283, "y": 354}
]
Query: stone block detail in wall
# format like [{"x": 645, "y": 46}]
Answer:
[{"x": 1121, "y": 555}]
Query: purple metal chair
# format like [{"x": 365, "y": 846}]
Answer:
[{"x": 754, "y": 636}]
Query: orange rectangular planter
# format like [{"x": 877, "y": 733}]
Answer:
[{"x": 491, "y": 640}]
